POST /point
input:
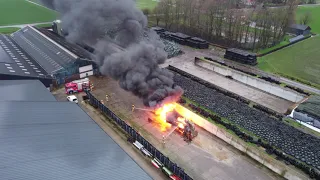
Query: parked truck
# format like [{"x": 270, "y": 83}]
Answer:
[{"x": 77, "y": 86}]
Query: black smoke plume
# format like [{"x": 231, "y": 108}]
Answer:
[{"x": 125, "y": 49}]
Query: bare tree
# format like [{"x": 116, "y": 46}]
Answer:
[
  {"x": 306, "y": 18},
  {"x": 165, "y": 8},
  {"x": 225, "y": 22},
  {"x": 176, "y": 16},
  {"x": 157, "y": 14}
]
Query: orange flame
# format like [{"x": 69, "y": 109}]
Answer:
[
  {"x": 161, "y": 115},
  {"x": 181, "y": 125}
]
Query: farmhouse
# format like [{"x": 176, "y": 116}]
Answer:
[{"x": 299, "y": 29}]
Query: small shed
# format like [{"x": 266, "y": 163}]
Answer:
[{"x": 299, "y": 29}]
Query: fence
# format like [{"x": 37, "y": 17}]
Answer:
[{"x": 136, "y": 136}]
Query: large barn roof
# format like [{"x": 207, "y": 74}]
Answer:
[
  {"x": 56, "y": 140},
  {"x": 74, "y": 48},
  {"x": 24, "y": 90},
  {"x": 15, "y": 61},
  {"x": 49, "y": 54}
]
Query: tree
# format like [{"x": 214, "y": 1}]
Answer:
[
  {"x": 156, "y": 14},
  {"x": 146, "y": 11},
  {"x": 306, "y": 18},
  {"x": 165, "y": 9}
]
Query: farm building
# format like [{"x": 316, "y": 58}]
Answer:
[
  {"x": 48, "y": 53},
  {"x": 42, "y": 138},
  {"x": 15, "y": 63},
  {"x": 299, "y": 29},
  {"x": 309, "y": 111}
]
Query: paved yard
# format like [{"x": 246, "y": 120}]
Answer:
[
  {"x": 207, "y": 157},
  {"x": 185, "y": 62}
]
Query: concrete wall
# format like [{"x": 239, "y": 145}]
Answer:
[
  {"x": 252, "y": 81},
  {"x": 254, "y": 152}
]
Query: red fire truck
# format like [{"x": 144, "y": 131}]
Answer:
[{"x": 77, "y": 86}]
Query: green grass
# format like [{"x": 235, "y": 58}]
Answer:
[
  {"x": 299, "y": 61},
  {"x": 36, "y": 1},
  {"x": 315, "y": 14},
  {"x": 44, "y": 25},
  {"x": 147, "y": 4},
  {"x": 282, "y": 43},
  {"x": 8, "y": 30},
  {"x": 22, "y": 12}
]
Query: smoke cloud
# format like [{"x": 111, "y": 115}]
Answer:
[{"x": 124, "y": 48}]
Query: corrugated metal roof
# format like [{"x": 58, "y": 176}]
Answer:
[
  {"x": 74, "y": 48},
  {"x": 24, "y": 90},
  {"x": 15, "y": 61},
  {"x": 51, "y": 57},
  {"x": 57, "y": 140}
]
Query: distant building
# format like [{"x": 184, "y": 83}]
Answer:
[
  {"x": 299, "y": 29},
  {"x": 309, "y": 111}
]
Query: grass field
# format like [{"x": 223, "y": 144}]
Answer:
[
  {"x": 22, "y": 12},
  {"x": 147, "y": 4},
  {"x": 300, "y": 61},
  {"x": 142, "y": 4},
  {"x": 8, "y": 30},
  {"x": 282, "y": 43},
  {"x": 315, "y": 14}
]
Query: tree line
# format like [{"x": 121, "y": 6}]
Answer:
[{"x": 224, "y": 22}]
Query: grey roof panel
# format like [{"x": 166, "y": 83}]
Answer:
[
  {"x": 24, "y": 90},
  {"x": 19, "y": 63},
  {"x": 57, "y": 140},
  {"x": 74, "y": 48},
  {"x": 4, "y": 57},
  {"x": 46, "y": 53}
]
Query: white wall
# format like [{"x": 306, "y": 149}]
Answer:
[
  {"x": 85, "y": 68},
  {"x": 83, "y": 75},
  {"x": 252, "y": 81}
]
